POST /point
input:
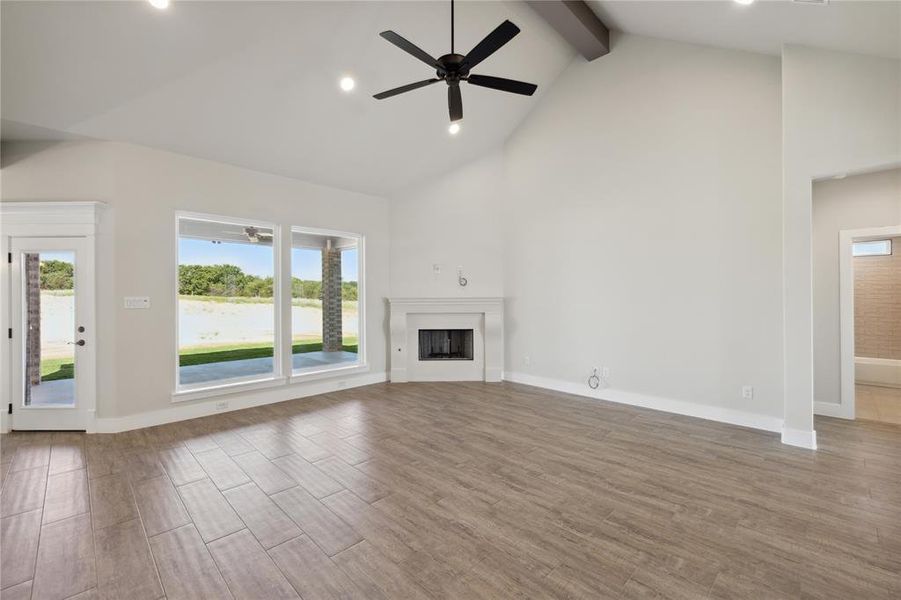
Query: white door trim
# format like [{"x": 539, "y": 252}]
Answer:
[
  {"x": 847, "y": 237},
  {"x": 40, "y": 219}
]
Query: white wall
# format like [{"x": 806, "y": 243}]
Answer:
[
  {"x": 136, "y": 247},
  {"x": 453, "y": 221},
  {"x": 640, "y": 219},
  {"x": 644, "y": 209},
  {"x": 856, "y": 202},
  {"x": 841, "y": 113}
]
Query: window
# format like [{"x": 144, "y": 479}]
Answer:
[
  {"x": 249, "y": 316},
  {"x": 227, "y": 301},
  {"x": 326, "y": 290},
  {"x": 872, "y": 248}
]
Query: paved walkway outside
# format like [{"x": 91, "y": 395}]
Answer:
[
  {"x": 60, "y": 392},
  {"x": 258, "y": 366}
]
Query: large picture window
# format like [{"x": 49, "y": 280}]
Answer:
[
  {"x": 227, "y": 301},
  {"x": 254, "y": 308},
  {"x": 326, "y": 293}
]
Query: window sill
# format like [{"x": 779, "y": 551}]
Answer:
[
  {"x": 185, "y": 395},
  {"x": 315, "y": 374},
  {"x": 234, "y": 387}
]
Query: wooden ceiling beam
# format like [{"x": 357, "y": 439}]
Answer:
[{"x": 577, "y": 23}]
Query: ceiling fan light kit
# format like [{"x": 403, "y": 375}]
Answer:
[{"x": 455, "y": 68}]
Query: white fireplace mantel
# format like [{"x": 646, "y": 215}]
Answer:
[{"x": 489, "y": 331}]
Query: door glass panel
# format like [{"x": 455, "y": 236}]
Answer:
[{"x": 49, "y": 313}]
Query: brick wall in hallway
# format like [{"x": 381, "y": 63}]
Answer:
[{"x": 877, "y": 304}]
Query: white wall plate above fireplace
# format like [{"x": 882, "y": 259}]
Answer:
[{"x": 447, "y": 339}]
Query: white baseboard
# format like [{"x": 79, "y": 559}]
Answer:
[
  {"x": 831, "y": 409},
  {"x": 680, "y": 407},
  {"x": 883, "y": 372},
  {"x": 193, "y": 410},
  {"x": 800, "y": 438}
]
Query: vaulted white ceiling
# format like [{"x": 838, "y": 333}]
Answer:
[
  {"x": 860, "y": 26},
  {"x": 256, "y": 84}
]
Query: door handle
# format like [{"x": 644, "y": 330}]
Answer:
[{"x": 78, "y": 343}]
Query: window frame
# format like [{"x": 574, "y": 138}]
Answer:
[
  {"x": 282, "y": 370},
  {"x": 362, "y": 364},
  {"x": 209, "y": 388}
]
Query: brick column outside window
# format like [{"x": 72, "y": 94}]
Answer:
[
  {"x": 331, "y": 299},
  {"x": 32, "y": 264}
]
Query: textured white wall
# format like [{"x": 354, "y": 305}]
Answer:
[
  {"x": 451, "y": 221},
  {"x": 857, "y": 202},
  {"x": 641, "y": 219},
  {"x": 644, "y": 226},
  {"x": 136, "y": 246}
]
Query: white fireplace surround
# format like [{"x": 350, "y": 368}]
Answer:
[{"x": 485, "y": 316}]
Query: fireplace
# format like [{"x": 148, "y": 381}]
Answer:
[
  {"x": 445, "y": 344},
  {"x": 447, "y": 339}
]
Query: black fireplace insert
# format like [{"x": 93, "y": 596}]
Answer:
[{"x": 445, "y": 344}]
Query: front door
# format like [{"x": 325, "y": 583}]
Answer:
[{"x": 52, "y": 306}]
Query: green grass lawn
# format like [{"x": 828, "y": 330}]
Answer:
[
  {"x": 53, "y": 369},
  {"x": 202, "y": 356},
  {"x": 310, "y": 302}
]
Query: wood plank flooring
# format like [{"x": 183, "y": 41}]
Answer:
[
  {"x": 876, "y": 403},
  {"x": 456, "y": 491}
]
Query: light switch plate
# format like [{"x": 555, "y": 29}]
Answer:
[{"x": 137, "y": 302}]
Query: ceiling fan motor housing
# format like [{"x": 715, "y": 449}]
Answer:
[{"x": 453, "y": 67}]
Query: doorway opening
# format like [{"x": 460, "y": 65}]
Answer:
[
  {"x": 876, "y": 266},
  {"x": 857, "y": 296},
  {"x": 48, "y": 366}
]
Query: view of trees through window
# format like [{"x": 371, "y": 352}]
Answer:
[
  {"x": 226, "y": 301},
  {"x": 324, "y": 289},
  {"x": 57, "y": 310}
]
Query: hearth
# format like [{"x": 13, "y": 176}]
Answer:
[{"x": 447, "y": 339}]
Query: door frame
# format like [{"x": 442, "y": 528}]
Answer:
[
  {"x": 847, "y": 237},
  {"x": 47, "y": 219}
]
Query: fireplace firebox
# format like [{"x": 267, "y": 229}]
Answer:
[{"x": 445, "y": 344}]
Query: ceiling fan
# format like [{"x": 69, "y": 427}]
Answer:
[
  {"x": 453, "y": 68},
  {"x": 255, "y": 236}
]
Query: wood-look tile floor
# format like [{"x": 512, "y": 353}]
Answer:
[
  {"x": 451, "y": 491},
  {"x": 876, "y": 403}
]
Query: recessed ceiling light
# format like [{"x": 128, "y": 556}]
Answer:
[
  {"x": 745, "y": 2},
  {"x": 160, "y": 4},
  {"x": 454, "y": 128},
  {"x": 347, "y": 83}
]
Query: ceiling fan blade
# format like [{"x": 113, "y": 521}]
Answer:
[
  {"x": 504, "y": 85},
  {"x": 405, "y": 88},
  {"x": 502, "y": 34},
  {"x": 454, "y": 103},
  {"x": 410, "y": 48}
]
